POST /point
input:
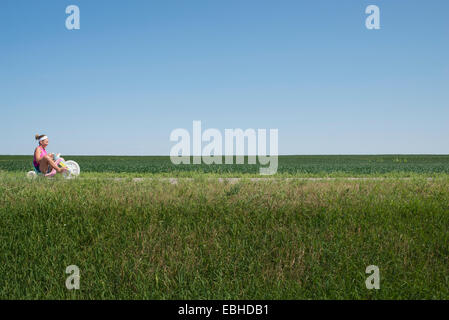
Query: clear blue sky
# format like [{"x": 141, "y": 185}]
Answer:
[{"x": 136, "y": 70}]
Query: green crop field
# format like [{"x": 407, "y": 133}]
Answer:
[
  {"x": 202, "y": 238},
  {"x": 288, "y": 165}
]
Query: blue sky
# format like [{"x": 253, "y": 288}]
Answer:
[{"x": 136, "y": 70}]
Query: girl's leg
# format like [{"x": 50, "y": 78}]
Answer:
[
  {"x": 53, "y": 172},
  {"x": 47, "y": 161},
  {"x": 43, "y": 165}
]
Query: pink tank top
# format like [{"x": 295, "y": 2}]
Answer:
[{"x": 43, "y": 153}]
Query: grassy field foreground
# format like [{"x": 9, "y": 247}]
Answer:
[{"x": 204, "y": 239}]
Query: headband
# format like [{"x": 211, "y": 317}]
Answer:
[{"x": 43, "y": 138}]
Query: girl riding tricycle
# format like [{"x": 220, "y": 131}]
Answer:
[{"x": 49, "y": 164}]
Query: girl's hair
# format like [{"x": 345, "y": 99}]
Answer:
[{"x": 37, "y": 136}]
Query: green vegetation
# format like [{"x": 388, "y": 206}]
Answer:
[
  {"x": 205, "y": 239},
  {"x": 288, "y": 165}
]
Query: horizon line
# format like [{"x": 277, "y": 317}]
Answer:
[{"x": 283, "y": 155}]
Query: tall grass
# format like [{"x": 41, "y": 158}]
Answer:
[{"x": 205, "y": 239}]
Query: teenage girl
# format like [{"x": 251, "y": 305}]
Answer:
[{"x": 42, "y": 161}]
